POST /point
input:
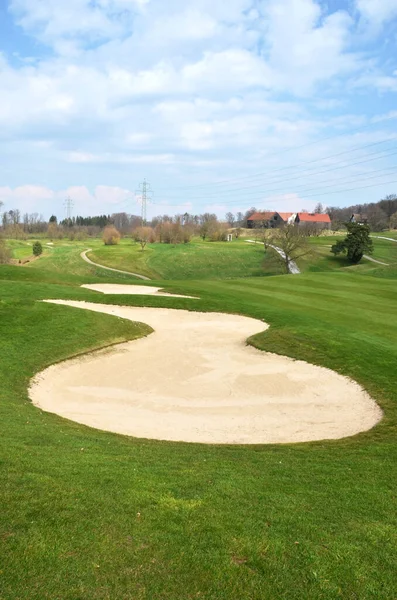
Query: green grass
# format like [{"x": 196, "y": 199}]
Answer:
[
  {"x": 88, "y": 514},
  {"x": 20, "y": 249},
  {"x": 221, "y": 260},
  {"x": 196, "y": 260}
]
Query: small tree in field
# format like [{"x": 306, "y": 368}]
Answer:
[
  {"x": 289, "y": 243},
  {"x": 143, "y": 235},
  {"x": 111, "y": 236},
  {"x": 37, "y": 249},
  {"x": 355, "y": 244}
]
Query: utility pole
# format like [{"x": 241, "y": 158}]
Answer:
[
  {"x": 145, "y": 194},
  {"x": 68, "y": 204}
]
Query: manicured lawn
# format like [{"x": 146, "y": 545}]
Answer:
[
  {"x": 222, "y": 260},
  {"x": 196, "y": 260},
  {"x": 88, "y": 514}
]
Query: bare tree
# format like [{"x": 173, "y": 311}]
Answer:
[
  {"x": 289, "y": 243},
  {"x": 393, "y": 221},
  {"x": 230, "y": 218},
  {"x": 143, "y": 235}
]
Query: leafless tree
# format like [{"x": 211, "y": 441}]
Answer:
[
  {"x": 292, "y": 241},
  {"x": 143, "y": 235}
]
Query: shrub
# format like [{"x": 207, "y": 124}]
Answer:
[
  {"x": 355, "y": 244},
  {"x": 37, "y": 249},
  {"x": 144, "y": 235},
  {"x": 111, "y": 236}
]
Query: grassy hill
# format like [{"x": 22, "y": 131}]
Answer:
[
  {"x": 222, "y": 260},
  {"x": 89, "y": 514}
]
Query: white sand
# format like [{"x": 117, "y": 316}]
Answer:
[
  {"x": 195, "y": 380},
  {"x": 137, "y": 290}
]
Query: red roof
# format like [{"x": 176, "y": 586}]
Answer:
[
  {"x": 314, "y": 218},
  {"x": 285, "y": 216},
  {"x": 261, "y": 216}
]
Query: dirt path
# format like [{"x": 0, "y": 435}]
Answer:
[
  {"x": 375, "y": 261},
  {"x": 380, "y": 237},
  {"x": 85, "y": 257},
  {"x": 292, "y": 267},
  {"x": 195, "y": 380}
]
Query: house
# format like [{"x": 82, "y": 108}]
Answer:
[
  {"x": 270, "y": 220},
  {"x": 320, "y": 221},
  {"x": 261, "y": 219},
  {"x": 285, "y": 218},
  {"x": 359, "y": 218}
]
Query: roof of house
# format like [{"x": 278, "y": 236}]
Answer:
[
  {"x": 359, "y": 216},
  {"x": 261, "y": 216},
  {"x": 314, "y": 218},
  {"x": 285, "y": 215}
]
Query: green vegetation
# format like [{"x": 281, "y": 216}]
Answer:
[
  {"x": 37, "y": 249},
  {"x": 88, "y": 514},
  {"x": 197, "y": 260},
  {"x": 211, "y": 260},
  {"x": 355, "y": 244}
]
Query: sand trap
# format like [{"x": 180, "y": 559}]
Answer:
[
  {"x": 137, "y": 290},
  {"x": 195, "y": 380}
]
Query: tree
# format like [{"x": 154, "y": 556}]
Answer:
[
  {"x": 143, "y": 235},
  {"x": 37, "y": 249},
  {"x": 230, "y": 218},
  {"x": 389, "y": 205},
  {"x": 289, "y": 243},
  {"x": 377, "y": 218},
  {"x": 318, "y": 209},
  {"x": 111, "y": 236},
  {"x": 53, "y": 219},
  {"x": 5, "y": 253},
  {"x": 393, "y": 221},
  {"x": 355, "y": 244}
]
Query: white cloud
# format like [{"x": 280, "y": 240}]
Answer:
[
  {"x": 377, "y": 11},
  {"x": 188, "y": 90},
  {"x": 57, "y": 22}
]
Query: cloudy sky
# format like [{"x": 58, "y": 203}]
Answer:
[{"x": 220, "y": 105}]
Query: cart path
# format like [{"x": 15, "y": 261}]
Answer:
[{"x": 85, "y": 257}]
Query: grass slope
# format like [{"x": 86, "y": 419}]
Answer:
[
  {"x": 197, "y": 260},
  {"x": 87, "y": 514},
  {"x": 220, "y": 260}
]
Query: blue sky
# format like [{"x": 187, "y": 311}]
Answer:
[{"x": 276, "y": 104}]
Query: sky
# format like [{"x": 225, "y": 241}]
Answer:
[{"x": 220, "y": 106}]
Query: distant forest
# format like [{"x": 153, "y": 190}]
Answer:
[{"x": 380, "y": 215}]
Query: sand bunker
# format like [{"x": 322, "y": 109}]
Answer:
[
  {"x": 195, "y": 380},
  {"x": 136, "y": 290}
]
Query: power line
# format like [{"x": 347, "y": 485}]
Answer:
[
  {"x": 394, "y": 116},
  {"x": 68, "y": 204},
  {"x": 145, "y": 194},
  {"x": 278, "y": 201},
  {"x": 247, "y": 193},
  {"x": 310, "y": 171}
]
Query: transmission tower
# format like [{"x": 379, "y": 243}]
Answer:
[
  {"x": 145, "y": 194},
  {"x": 68, "y": 204}
]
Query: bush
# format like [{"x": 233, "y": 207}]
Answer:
[
  {"x": 144, "y": 235},
  {"x": 37, "y": 249},
  {"x": 111, "y": 236},
  {"x": 5, "y": 253}
]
